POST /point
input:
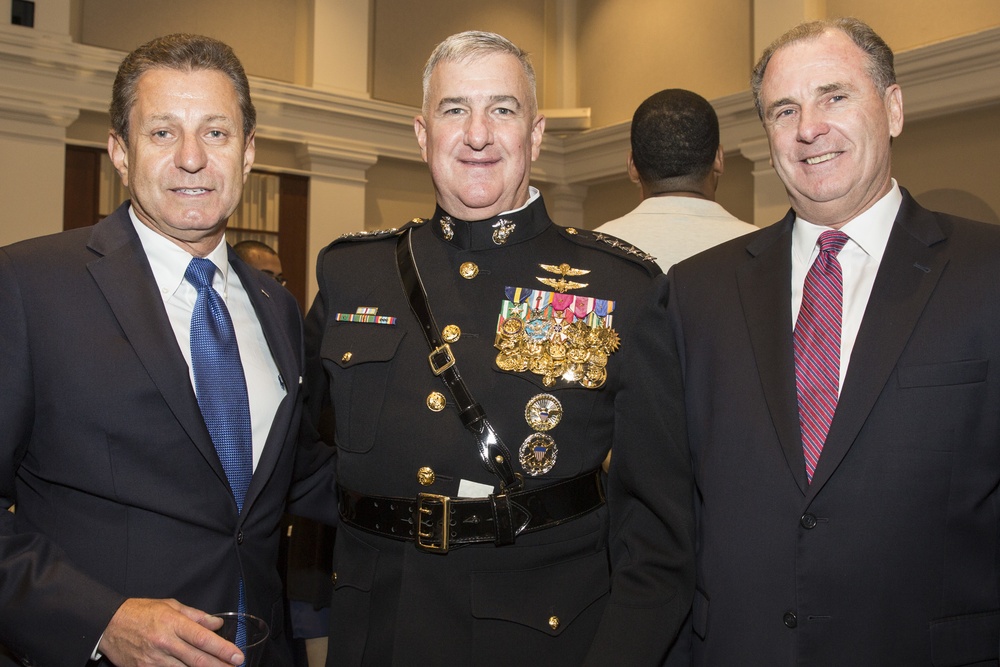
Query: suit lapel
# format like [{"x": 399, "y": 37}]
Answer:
[
  {"x": 276, "y": 332},
  {"x": 765, "y": 293},
  {"x": 913, "y": 262},
  {"x": 123, "y": 275}
]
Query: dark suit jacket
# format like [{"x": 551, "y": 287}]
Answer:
[
  {"x": 118, "y": 488},
  {"x": 890, "y": 556}
]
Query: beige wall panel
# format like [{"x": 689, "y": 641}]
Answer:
[
  {"x": 904, "y": 24},
  {"x": 397, "y": 191},
  {"x": 263, "y": 33},
  {"x": 949, "y": 164},
  {"x": 630, "y": 49},
  {"x": 735, "y": 192},
  {"x": 406, "y": 32}
]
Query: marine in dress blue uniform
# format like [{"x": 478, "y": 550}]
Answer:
[{"x": 562, "y": 337}]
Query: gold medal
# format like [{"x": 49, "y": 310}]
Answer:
[
  {"x": 566, "y": 338},
  {"x": 538, "y": 454},
  {"x": 594, "y": 377},
  {"x": 543, "y": 412}
]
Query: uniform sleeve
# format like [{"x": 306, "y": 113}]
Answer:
[
  {"x": 50, "y": 613},
  {"x": 649, "y": 498}
]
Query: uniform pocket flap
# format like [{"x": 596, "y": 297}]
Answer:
[
  {"x": 547, "y": 599},
  {"x": 939, "y": 375},
  {"x": 350, "y": 343}
]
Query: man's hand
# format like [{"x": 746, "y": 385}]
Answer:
[{"x": 150, "y": 633}]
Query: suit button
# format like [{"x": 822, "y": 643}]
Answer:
[
  {"x": 333, "y": 578},
  {"x": 790, "y": 619},
  {"x": 554, "y": 622},
  {"x": 425, "y": 476},
  {"x": 808, "y": 521},
  {"x": 239, "y": 537}
]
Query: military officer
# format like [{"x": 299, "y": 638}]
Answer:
[{"x": 481, "y": 365}]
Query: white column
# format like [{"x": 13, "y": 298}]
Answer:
[
  {"x": 340, "y": 46},
  {"x": 565, "y": 204},
  {"x": 336, "y": 198},
  {"x": 770, "y": 201},
  {"x": 33, "y": 146}
]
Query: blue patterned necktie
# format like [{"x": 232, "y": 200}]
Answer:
[
  {"x": 221, "y": 388},
  {"x": 816, "y": 341}
]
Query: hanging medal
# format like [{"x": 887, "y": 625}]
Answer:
[{"x": 538, "y": 451}]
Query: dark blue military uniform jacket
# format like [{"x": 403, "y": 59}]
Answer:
[{"x": 614, "y": 584}]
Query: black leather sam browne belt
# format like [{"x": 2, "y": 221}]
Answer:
[{"x": 439, "y": 523}]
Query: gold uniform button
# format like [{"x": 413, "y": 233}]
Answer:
[
  {"x": 451, "y": 333},
  {"x": 333, "y": 578},
  {"x": 425, "y": 476},
  {"x": 554, "y": 622},
  {"x": 468, "y": 270},
  {"x": 436, "y": 401},
  {"x": 347, "y": 357}
]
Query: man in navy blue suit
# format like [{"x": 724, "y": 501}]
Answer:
[
  {"x": 869, "y": 536},
  {"x": 126, "y": 532}
]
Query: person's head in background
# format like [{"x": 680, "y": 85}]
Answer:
[{"x": 262, "y": 257}]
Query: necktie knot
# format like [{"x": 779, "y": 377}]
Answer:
[
  {"x": 832, "y": 242},
  {"x": 200, "y": 272}
]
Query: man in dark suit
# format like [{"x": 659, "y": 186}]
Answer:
[
  {"x": 139, "y": 508},
  {"x": 844, "y": 413},
  {"x": 454, "y": 549}
]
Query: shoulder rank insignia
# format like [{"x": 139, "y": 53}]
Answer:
[
  {"x": 558, "y": 336},
  {"x": 615, "y": 242},
  {"x": 561, "y": 285},
  {"x": 378, "y": 233}
]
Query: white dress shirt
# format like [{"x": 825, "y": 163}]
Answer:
[
  {"x": 169, "y": 261},
  {"x": 868, "y": 235}
]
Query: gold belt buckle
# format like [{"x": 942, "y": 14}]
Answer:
[
  {"x": 426, "y": 541},
  {"x": 449, "y": 362}
]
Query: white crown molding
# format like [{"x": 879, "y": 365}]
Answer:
[{"x": 46, "y": 78}]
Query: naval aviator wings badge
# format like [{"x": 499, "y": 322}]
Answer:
[{"x": 558, "y": 336}]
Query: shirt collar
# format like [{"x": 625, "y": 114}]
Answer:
[
  {"x": 869, "y": 231},
  {"x": 169, "y": 261},
  {"x": 504, "y": 229}
]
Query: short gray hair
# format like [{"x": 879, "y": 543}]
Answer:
[
  {"x": 474, "y": 44},
  {"x": 880, "y": 59}
]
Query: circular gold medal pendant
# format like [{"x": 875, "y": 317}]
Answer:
[
  {"x": 538, "y": 454},
  {"x": 543, "y": 412}
]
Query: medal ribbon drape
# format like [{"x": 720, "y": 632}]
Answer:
[
  {"x": 221, "y": 388},
  {"x": 816, "y": 341}
]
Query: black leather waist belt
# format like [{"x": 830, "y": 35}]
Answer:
[{"x": 439, "y": 523}]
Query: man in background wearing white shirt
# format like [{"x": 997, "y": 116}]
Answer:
[{"x": 677, "y": 160}]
